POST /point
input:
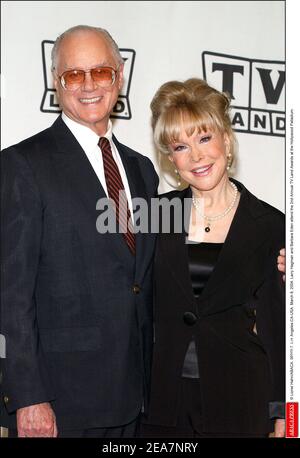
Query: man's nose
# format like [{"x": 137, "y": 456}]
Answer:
[{"x": 88, "y": 84}]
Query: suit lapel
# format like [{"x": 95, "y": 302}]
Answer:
[
  {"x": 72, "y": 162},
  {"x": 144, "y": 241},
  {"x": 75, "y": 167}
]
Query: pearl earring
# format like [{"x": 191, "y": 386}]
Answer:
[
  {"x": 178, "y": 178},
  {"x": 229, "y": 161}
]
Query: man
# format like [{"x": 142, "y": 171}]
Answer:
[{"x": 77, "y": 304}]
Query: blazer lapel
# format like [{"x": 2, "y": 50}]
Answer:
[
  {"x": 239, "y": 245},
  {"x": 174, "y": 246}
]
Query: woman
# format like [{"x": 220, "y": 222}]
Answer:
[{"x": 219, "y": 352}]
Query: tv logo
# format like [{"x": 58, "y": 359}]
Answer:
[
  {"x": 49, "y": 102},
  {"x": 257, "y": 91}
]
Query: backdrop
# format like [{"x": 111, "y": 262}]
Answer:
[{"x": 238, "y": 46}]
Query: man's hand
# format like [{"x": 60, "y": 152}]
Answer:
[
  {"x": 281, "y": 262},
  {"x": 36, "y": 421}
]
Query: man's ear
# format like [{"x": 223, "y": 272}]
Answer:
[
  {"x": 120, "y": 76},
  {"x": 55, "y": 81}
]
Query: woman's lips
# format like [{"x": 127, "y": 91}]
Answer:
[{"x": 202, "y": 171}]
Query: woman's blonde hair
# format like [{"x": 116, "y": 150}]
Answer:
[{"x": 193, "y": 105}]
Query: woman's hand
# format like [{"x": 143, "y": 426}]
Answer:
[
  {"x": 279, "y": 428},
  {"x": 281, "y": 262}
]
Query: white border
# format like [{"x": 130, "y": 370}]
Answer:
[{"x": 292, "y": 202}]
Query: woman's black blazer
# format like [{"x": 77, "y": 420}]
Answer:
[{"x": 242, "y": 374}]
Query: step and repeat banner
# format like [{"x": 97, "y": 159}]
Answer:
[{"x": 237, "y": 46}]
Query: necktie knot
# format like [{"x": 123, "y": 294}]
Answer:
[{"x": 104, "y": 144}]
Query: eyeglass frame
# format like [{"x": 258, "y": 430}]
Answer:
[{"x": 61, "y": 79}]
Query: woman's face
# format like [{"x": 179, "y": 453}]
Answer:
[{"x": 201, "y": 159}]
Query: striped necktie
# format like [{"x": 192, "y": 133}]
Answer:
[{"x": 116, "y": 191}]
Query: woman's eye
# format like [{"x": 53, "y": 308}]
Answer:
[
  {"x": 178, "y": 148},
  {"x": 205, "y": 139}
]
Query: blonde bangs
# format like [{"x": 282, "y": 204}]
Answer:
[{"x": 189, "y": 119}]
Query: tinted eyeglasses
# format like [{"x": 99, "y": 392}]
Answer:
[{"x": 102, "y": 76}]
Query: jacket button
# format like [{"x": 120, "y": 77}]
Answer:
[
  {"x": 5, "y": 399},
  {"x": 189, "y": 318},
  {"x": 136, "y": 289},
  {"x": 250, "y": 312}
]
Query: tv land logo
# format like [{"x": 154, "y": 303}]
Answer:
[
  {"x": 49, "y": 102},
  {"x": 257, "y": 88}
]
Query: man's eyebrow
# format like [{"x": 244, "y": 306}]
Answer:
[{"x": 101, "y": 64}]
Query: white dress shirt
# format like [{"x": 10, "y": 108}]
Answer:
[{"x": 88, "y": 141}]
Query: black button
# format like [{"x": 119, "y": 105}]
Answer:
[
  {"x": 136, "y": 289},
  {"x": 189, "y": 318}
]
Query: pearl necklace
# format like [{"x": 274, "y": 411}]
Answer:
[{"x": 221, "y": 215}]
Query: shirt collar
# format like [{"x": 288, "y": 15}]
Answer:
[{"x": 85, "y": 136}]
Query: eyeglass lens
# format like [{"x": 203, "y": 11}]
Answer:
[{"x": 104, "y": 76}]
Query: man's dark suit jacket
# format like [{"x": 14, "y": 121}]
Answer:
[
  {"x": 240, "y": 372},
  {"x": 76, "y": 306}
]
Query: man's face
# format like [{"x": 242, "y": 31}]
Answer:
[{"x": 90, "y": 104}]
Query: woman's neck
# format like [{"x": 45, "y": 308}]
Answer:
[{"x": 216, "y": 199}]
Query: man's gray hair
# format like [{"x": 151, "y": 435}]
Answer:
[{"x": 86, "y": 28}]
